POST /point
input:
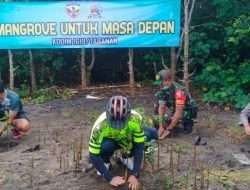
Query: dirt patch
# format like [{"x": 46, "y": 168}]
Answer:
[{"x": 57, "y": 127}]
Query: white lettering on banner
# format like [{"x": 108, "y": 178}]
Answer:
[
  {"x": 28, "y": 29},
  {"x": 153, "y": 27}
]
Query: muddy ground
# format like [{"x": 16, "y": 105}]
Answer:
[{"x": 57, "y": 126}]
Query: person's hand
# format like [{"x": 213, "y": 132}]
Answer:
[
  {"x": 1, "y": 130},
  {"x": 133, "y": 182},
  {"x": 164, "y": 134},
  {"x": 161, "y": 129},
  {"x": 247, "y": 130},
  {"x": 117, "y": 180}
]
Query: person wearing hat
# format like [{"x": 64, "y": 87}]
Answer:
[
  {"x": 119, "y": 127},
  {"x": 172, "y": 95}
]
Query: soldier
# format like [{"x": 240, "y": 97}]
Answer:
[{"x": 173, "y": 95}]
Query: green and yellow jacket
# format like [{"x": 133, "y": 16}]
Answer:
[{"x": 125, "y": 137}]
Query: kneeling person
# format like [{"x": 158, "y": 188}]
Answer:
[
  {"x": 11, "y": 109},
  {"x": 118, "y": 127},
  {"x": 174, "y": 96}
]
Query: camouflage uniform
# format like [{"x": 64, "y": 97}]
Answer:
[{"x": 174, "y": 96}]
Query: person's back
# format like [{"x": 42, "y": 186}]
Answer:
[{"x": 11, "y": 102}]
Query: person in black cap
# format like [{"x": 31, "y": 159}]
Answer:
[{"x": 175, "y": 96}]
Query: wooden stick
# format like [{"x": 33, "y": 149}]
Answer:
[{"x": 158, "y": 156}]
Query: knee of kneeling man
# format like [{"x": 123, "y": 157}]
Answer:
[{"x": 25, "y": 127}]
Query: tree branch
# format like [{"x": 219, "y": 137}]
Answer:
[
  {"x": 191, "y": 11},
  {"x": 192, "y": 72},
  {"x": 162, "y": 62},
  {"x": 90, "y": 67}
]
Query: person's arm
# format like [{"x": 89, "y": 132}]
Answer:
[
  {"x": 138, "y": 155},
  {"x": 176, "y": 117},
  {"x": 161, "y": 111},
  {"x": 12, "y": 115},
  {"x": 99, "y": 165}
]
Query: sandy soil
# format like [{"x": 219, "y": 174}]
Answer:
[{"x": 57, "y": 126}]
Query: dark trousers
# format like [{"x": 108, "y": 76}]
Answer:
[{"x": 109, "y": 146}]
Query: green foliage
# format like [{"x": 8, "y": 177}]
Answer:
[
  {"x": 221, "y": 52},
  {"x": 142, "y": 112},
  {"x": 240, "y": 30},
  {"x": 66, "y": 94},
  {"x": 23, "y": 91},
  {"x": 225, "y": 85},
  {"x": 150, "y": 147},
  {"x": 43, "y": 95},
  {"x": 169, "y": 183},
  {"x": 182, "y": 149}
]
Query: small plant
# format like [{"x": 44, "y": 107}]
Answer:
[
  {"x": 169, "y": 184},
  {"x": 212, "y": 120},
  {"x": 93, "y": 116},
  {"x": 142, "y": 112},
  {"x": 66, "y": 94},
  {"x": 5, "y": 126},
  {"x": 182, "y": 149},
  {"x": 234, "y": 131},
  {"x": 150, "y": 148}
]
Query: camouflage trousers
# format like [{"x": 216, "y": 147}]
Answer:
[{"x": 187, "y": 115}]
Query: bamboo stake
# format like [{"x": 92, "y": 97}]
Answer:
[
  {"x": 202, "y": 177},
  {"x": 44, "y": 139},
  {"x": 208, "y": 172},
  {"x": 61, "y": 160},
  {"x": 195, "y": 179},
  {"x": 171, "y": 168},
  {"x": 178, "y": 161},
  {"x": 158, "y": 156},
  {"x": 74, "y": 151},
  {"x": 126, "y": 174},
  {"x": 194, "y": 157},
  {"x": 32, "y": 161},
  {"x": 186, "y": 185},
  {"x": 39, "y": 136},
  {"x": 81, "y": 143}
]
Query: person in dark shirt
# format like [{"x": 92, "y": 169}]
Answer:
[{"x": 11, "y": 109}]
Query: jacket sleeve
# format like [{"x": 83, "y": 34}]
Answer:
[
  {"x": 99, "y": 165},
  {"x": 138, "y": 155}
]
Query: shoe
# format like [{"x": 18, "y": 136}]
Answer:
[
  {"x": 16, "y": 134},
  {"x": 188, "y": 126},
  {"x": 107, "y": 165},
  {"x": 127, "y": 162}
]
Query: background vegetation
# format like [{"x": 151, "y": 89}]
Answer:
[{"x": 219, "y": 47}]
